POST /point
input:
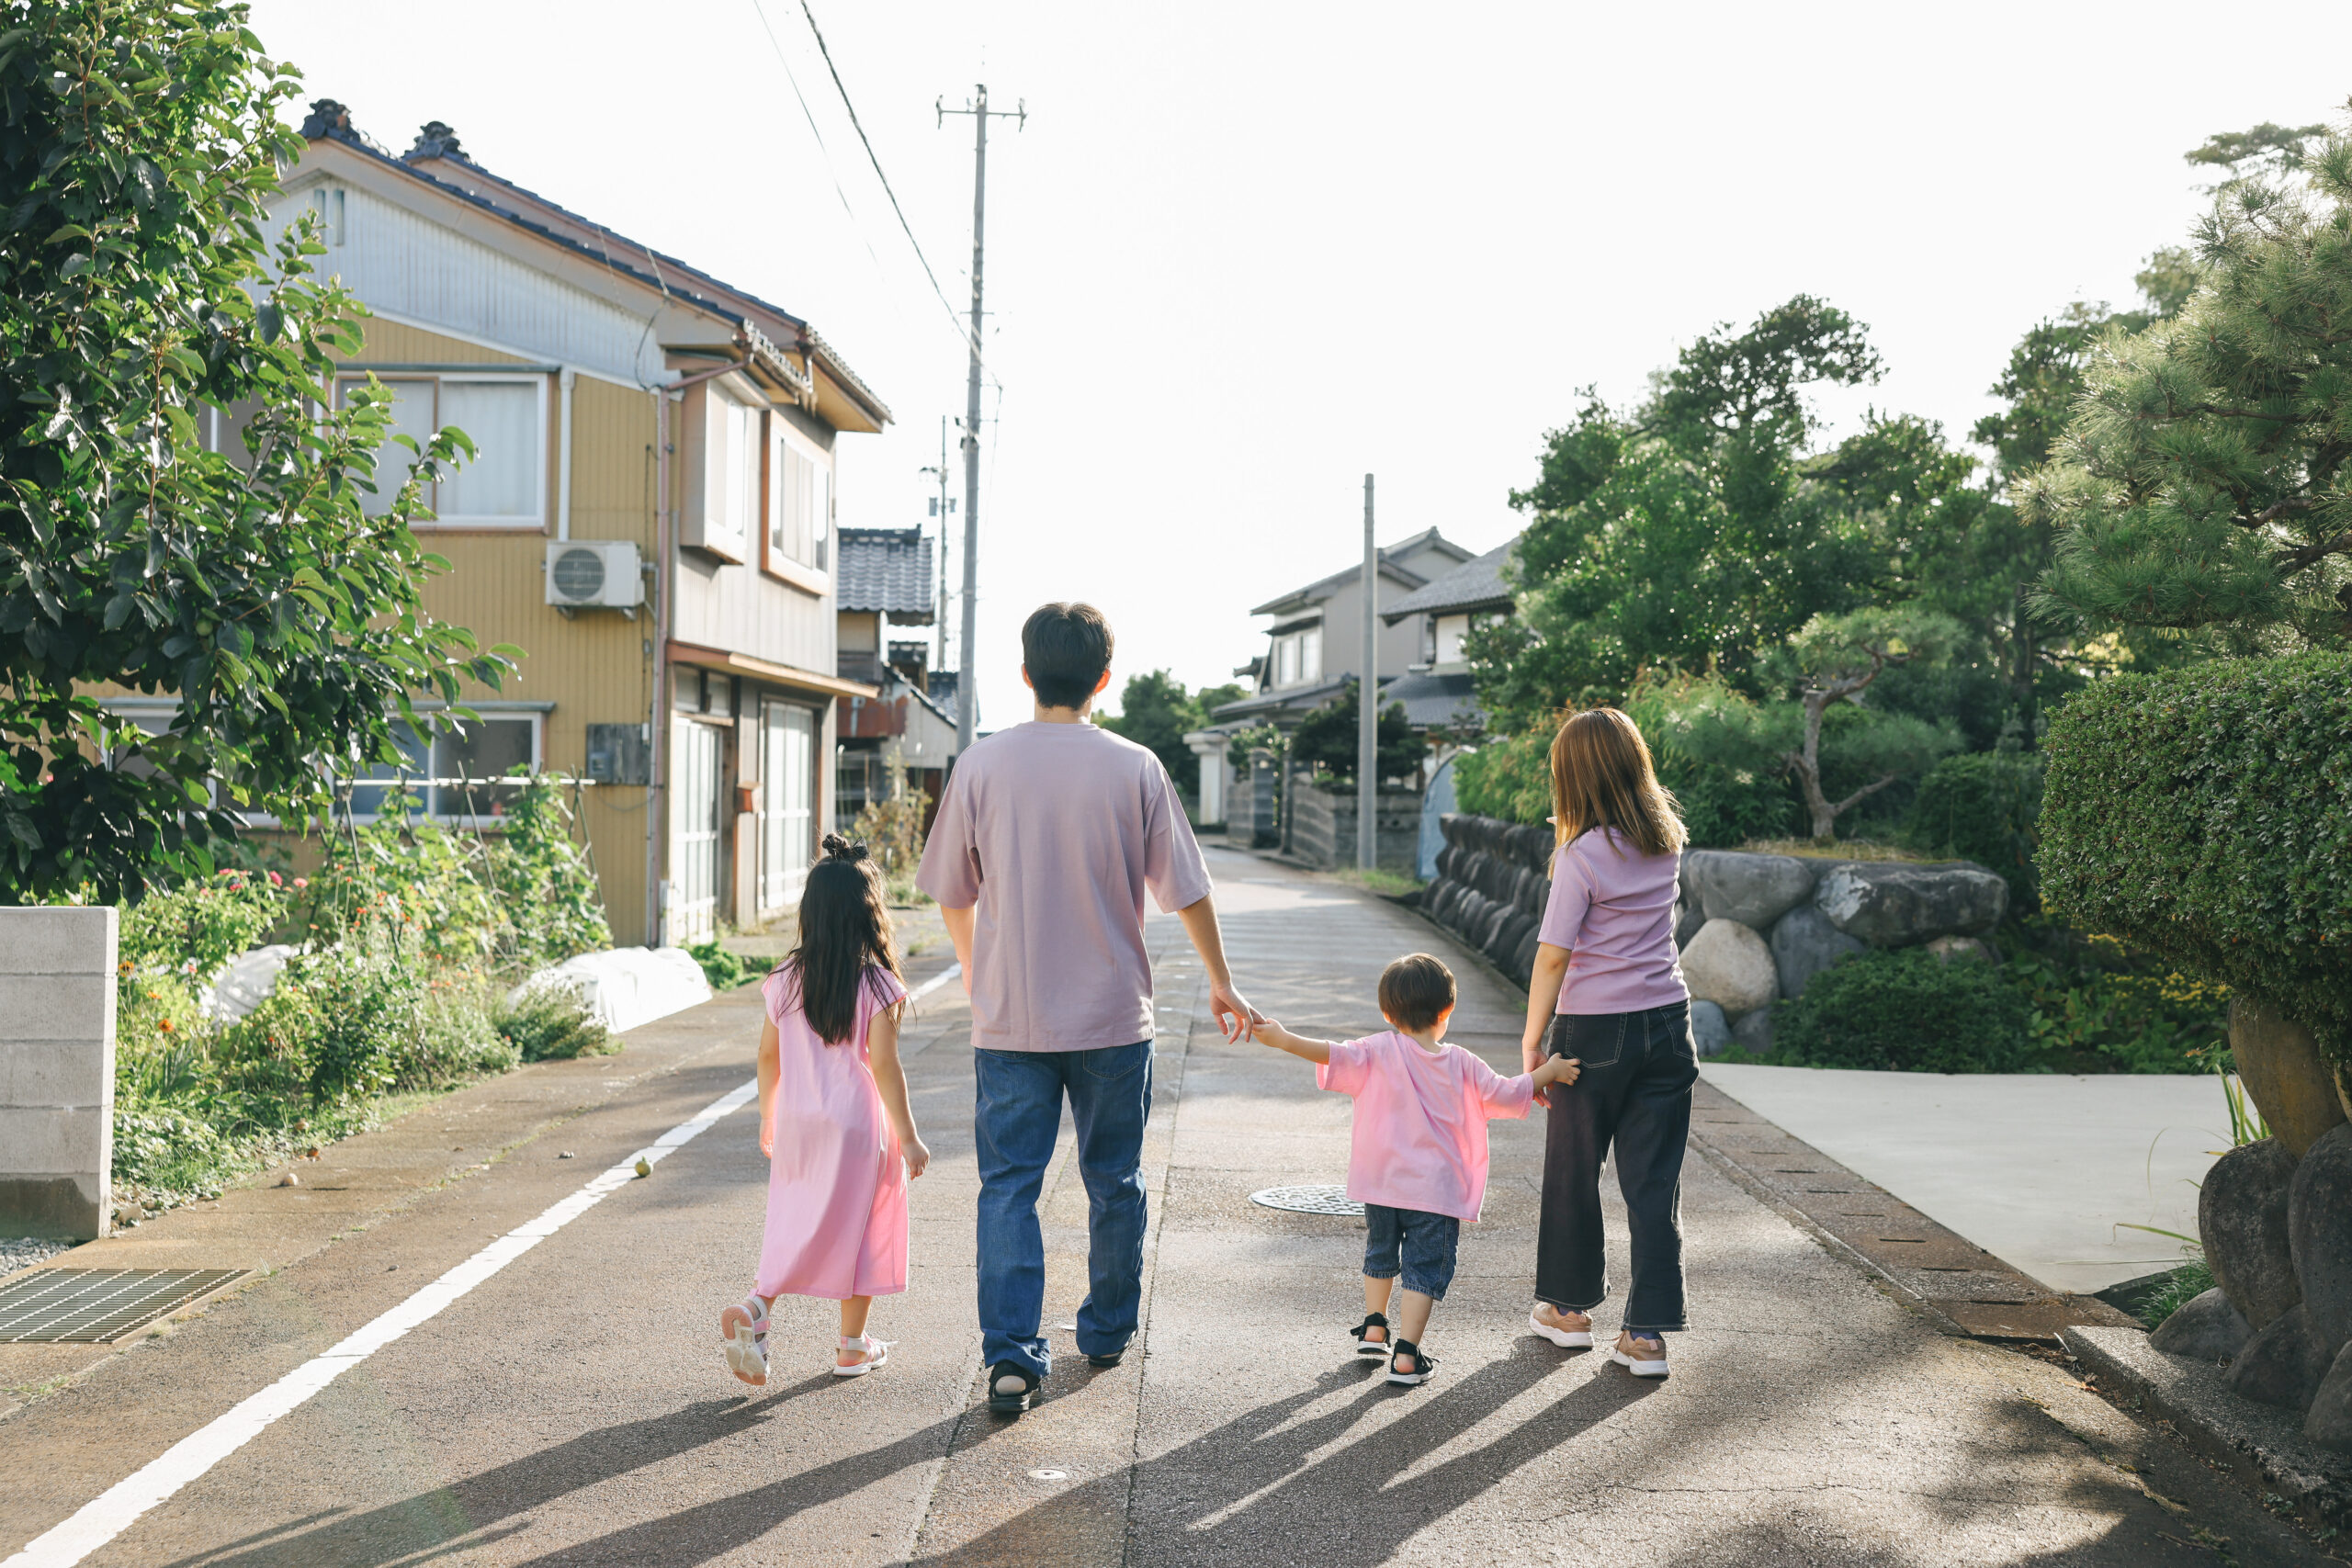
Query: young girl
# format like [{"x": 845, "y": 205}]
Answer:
[
  {"x": 1606, "y": 990},
  {"x": 833, "y": 1120},
  {"x": 1418, "y": 1158}
]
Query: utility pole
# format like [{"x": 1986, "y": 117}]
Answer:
[
  {"x": 968, "y": 692},
  {"x": 1368, "y": 698},
  {"x": 942, "y": 507}
]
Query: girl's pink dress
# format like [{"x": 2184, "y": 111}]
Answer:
[{"x": 837, "y": 1184}]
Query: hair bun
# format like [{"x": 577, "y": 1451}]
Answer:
[{"x": 841, "y": 849}]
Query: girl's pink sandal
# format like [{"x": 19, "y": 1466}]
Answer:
[{"x": 746, "y": 1330}]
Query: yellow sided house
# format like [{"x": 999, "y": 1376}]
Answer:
[{"x": 650, "y": 517}]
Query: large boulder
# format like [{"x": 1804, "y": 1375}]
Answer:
[
  {"x": 1687, "y": 921},
  {"x": 2242, "y": 1220},
  {"x": 2329, "y": 1420},
  {"x": 1753, "y": 1034},
  {"x": 2279, "y": 1064},
  {"x": 1804, "y": 943},
  {"x": 2319, "y": 1231},
  {"x": 2281, "y": 1365},
  {"x": 2205, "y": 1328},
  {"x": 1755, "y": 890},
  {"x": 1727, "y": 963},
  {"x": 1710, "y": 1029},
  {"x": 1889, "y": 904}
]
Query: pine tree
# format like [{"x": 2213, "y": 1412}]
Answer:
[{"x": 2202, "y": 481}]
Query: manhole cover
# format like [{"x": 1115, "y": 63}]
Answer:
[
  {"x": 94, "y": 1306},
  {"x": 1307, "y": 1199}
]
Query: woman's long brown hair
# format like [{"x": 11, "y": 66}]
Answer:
[
  {"x": 845, "y": 926},
  {"x": 1601, "y": 777}
]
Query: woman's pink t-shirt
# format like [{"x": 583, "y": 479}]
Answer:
[
  {"x": 1420, "y": 1132},
  {"x": 1612, "y": 908}
]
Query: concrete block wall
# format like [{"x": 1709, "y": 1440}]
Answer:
[
  {"x": 57, "y": 997},
  {"x": 1327, "y": 828}
]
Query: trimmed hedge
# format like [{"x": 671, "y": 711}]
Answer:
[
  {"x": 2206, "y": 815},
  {"x": 1906, "y": 1012}
]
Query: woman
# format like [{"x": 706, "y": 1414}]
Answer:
[{"x": 1606, "y": 990}]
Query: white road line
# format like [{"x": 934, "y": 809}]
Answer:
[{"x": 114, "y": 1510}]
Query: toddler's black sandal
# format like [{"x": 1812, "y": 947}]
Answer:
[
  {"x": 1013, "y": 1401},
  {"x": 1422, "y": 1365},
  {"x": 1365, "y": 1347}
]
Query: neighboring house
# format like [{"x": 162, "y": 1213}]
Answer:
[
  {"x": 1437, "y": 690},
  {"x": 1315, "y": 640},
  {"x": 650, "y": 517},
  {"x": 883, "y": 582}
]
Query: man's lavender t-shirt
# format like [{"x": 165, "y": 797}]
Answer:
[
  {"x": 1612, "y": 908},
  {"x": 1420, "y": 1132},
  {"x": 1050, "y": 834}
]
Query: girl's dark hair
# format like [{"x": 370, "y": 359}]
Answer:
[{"x": 844, "y": 926}]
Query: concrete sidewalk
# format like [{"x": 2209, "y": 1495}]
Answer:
[
  {"x": 2047, "y": 1172},
  {"x": 573, "y": 1409}
]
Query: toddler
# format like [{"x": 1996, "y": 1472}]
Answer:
[
  {"x": 833, "y": 1120},
  {"x": 1419, "y": 1160}
]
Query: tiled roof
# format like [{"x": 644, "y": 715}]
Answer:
[
  {"x": 887, "y": 569},
  {"x": 1474, "y": 585},
  {"x": 1435, "y": 702},
  {"x": 1322, "y": 588}
]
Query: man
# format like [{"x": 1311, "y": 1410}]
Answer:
[{"x": 1045, "y": 841}]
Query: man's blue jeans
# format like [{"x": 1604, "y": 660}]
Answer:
[{"x": 1017, "y": 1115}]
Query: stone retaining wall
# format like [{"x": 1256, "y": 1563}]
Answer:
[
  {"x": 1752, "y": 928},
  {"x": 1325, "y": 834}
]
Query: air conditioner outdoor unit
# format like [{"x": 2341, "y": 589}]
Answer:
[{"x": 595, "y": 573}]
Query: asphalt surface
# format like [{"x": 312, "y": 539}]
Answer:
[{"x": 575, "y": 1408}]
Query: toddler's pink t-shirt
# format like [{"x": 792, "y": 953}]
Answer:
[
  {"x": 1612, "y": 908},
  {"x": 1420, "y": 1132}
]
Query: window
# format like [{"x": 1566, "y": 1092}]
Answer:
[
  {"x": 1286, "y": 661},
  {"x": 455, "y": 773},
  {"x": 503, "y": 484},
  {"x": 1449, "y": 632},
  {"x": 800, "y": 501},
  {"x": 1310, "y": 654},
  {"x": 787, "y": 784}
]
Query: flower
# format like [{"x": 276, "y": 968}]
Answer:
[
  {"x": 275, "y": 880},
  {"x": 301, "y": 882},
  {"x": 165, "y": 1024}
]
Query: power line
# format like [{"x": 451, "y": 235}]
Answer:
[
  {"x": 972, "y": 340},
  {"x": 822, "y": 151}
]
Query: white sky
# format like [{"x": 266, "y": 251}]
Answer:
[{"x": 1244, "y": 253}]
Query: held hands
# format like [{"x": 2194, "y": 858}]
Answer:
[
  {"x": 1559, "y": 1069},
  {"x": 1235, "y": 1018}
]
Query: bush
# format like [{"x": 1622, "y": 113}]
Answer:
[
  {"x": 163, "y": 1154},
  {"x": 459, "y": 1040},
  {"x": 1906, "y": 1012},
  {"x": 2206, "y": 815},
  {"x": 548, "y": 1023},
  {"x": 1509, "y": 779},
  {"x": 1984, "y": 807},
  {"x": 339, "y": 1026},
  {"x": 724, "y": 970},
  {"x": 2100, "y": 1005},
  {"x": 203, "y": 922},
  {"x": 545, "y": 888}
]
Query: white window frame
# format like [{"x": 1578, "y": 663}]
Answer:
[
  {"x": 537, "y": 517},
  {"x": 799, "y": 497},
  {"x": 431, "y": 793}
]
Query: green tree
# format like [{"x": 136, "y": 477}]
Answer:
[
  {"x": 142, "y": 142},
  {"x": 1328, "y": 738},
  {"x": 1834, "y": 660},
  {"x": 2202, "y": 484},
  {"x": 1156, "y": 714}
]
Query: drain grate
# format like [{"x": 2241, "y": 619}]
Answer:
[
  {"x": 94, "y": 1306},
  {"x": 1307, "y": 1199}
]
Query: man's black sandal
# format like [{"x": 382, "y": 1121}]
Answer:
[
  {"x": 1371, "y": 1347},
  {"x": 1422, "y": 1365},
  {"x": 1010, "y": 1404},
  {"x": 1108, "y": 1358}
]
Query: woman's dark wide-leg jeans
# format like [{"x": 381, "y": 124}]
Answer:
[{"x": 1634, "y": 1091}]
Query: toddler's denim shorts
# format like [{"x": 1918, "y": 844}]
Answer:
[{"x": 1426, "y": 1242}]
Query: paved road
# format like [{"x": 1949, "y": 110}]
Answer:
[
  {"x": 2051, "y": 1171},
  {"x": 572, "y": 1409}
]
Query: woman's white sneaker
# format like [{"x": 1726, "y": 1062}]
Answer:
[
  {"x": 1565, "y": 1337},
  {"x": 1630, "y": 1353}
]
